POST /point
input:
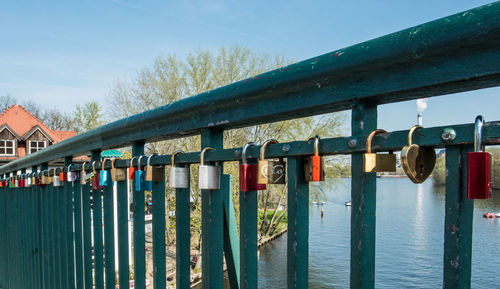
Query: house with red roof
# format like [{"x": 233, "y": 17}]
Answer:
[{"x": 21, "y": 134}]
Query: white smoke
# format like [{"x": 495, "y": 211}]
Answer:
[{"x": 421, "y": 104}]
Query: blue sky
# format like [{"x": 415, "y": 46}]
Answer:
[{"x": 62, "y": 53}]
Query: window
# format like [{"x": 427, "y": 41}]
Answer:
[
  {"x": 7, "y": 147},
  {"x": 36, "y": 145}
]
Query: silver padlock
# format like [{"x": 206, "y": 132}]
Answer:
[
  {"x": 179, "y": 176},
  {"x": 71, "y": 176},
  {"x": 209, "y": 175},
  {"x": 16, "y": 182},
  {"x": 84, "y": 177},
  {"x": 56, "y": 182},
  {"x": 27, "y": 181}
]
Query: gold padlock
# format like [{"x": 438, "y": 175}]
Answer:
[
  {"x": 117, "y": 174},
  {"x": 377, "y": 162},
  {"x": 44, "y": 179},
  {"x": 154, "y": 173},
  {"x": 270, "y": 172},
  {"x": 417, "y": 162}
]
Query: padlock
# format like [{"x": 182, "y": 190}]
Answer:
[
  {"x": 72, "y": 176},
  {"x": 147, "y": 184},
  {"x": 27, "y": 181},
  {"x": 377, "y": 162},
  {"x": 55, "y": 179},
  {"x": 118, "y": 174},
  {"x": 21, "y": 181},
  {"x": 62, "y": 176},
  {"x": 417, "y": 162},
  {"x": 131, "y": 170},
  {"x": 248, "y": 173},
  {"x": 314, "y": 167},
  {"x": 154, "y": 173},
  {"x": 33, "y": 179},
  {"x": 105, "y": 178},
  {"x": 479, "y": 166},
  {"x": 270, "y": 172},
  {"x": 139, "y": 176},
  {"x": 45, "y": 177},
  {"x": 39, "y": 180},
  {"x": 209, "y": 175},
  {"x": 96, "y": 180},
  {"x": 179, "y": 176},
  {"x": 12, "y": 183}
]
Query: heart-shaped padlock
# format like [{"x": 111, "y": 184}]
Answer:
[{"x": 417, "y": 162}]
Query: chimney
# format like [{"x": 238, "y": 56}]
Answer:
[{"x": 419, "y": 118}]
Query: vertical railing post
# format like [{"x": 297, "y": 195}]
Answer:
[
  {"x": 109, "y": 236},
  {"x": 139, "y": 230},
  {"x": 183, "y": 236},
  {"x": 458, "y": 220},
  {"x": 61, "y": 210},
  {"x": 87, "y": 235},
  {"x": 122, "y": 215},
  {"x": 78, "y": 221},
  {"x": 212, "y": 226},
  {"x": 231, "y": 236},
  {"x": 159, "y": 251},
  {"x": 68, "y": 216},
  {"x": 248, "y": 238},
  {"x": 363, "y": 197},
  {"x": 45, "y": 230},
  {"x": 3, "y": 238},
  {"x": 298, "y": 225},
  {"x": 97, "y": 222}
]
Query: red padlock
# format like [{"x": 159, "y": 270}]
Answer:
[
  {"x": 248, "y": 173},
  {"x": 131, "y": 170},
  {"x": 21, "y": 182},
  {"x": 479, "y": 166},
  {"x": 96, "y": 180},
  {"x": 62, "y": 176},
  {"x": 314, "y": 166}
]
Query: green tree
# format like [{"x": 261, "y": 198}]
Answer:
[
  {"x": 88, "y": 116},
  {"x": 170, "y": 79}
]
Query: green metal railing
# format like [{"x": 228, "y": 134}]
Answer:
[{"x": 46, "y": 240}]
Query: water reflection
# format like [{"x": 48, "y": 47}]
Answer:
[{"x": 409, "y": 244}]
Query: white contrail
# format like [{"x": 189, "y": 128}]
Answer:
[{"x": 197, "y": 22}]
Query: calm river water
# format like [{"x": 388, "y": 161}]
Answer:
[{"x": 409, "y": 244}]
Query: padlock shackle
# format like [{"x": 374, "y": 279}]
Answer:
[
  {"x": 410, "y": 134},
  {"x": 53, "y": 171},
  {"x": 316, "y": 145},
  {"x": 69, "y": 167},
  {"x": 478, "y": 134},
  {"x": 149, "y": 159},
  {"x": 113, "y": 164},
  {"x": 264, "y": 146},
  {"x": 83, "y": 166},
  {"x": 370, "y": 137},
  {"x": 244, "y": 152},
  {"x": 172, "y": 159},
  {"x": 93, "y": 166},
  {"x": 202, "y": 154},
  {"x": 103, "y": 163},
  {"x": 132, "y": 162},
  {"x": 139, "y": 162}
]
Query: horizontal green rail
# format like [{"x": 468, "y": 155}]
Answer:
[
  {"x": 67, "y": 239},
  {"x": 390, "y": 141}
]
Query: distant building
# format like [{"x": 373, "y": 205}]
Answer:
[{"x": 21, "y": 134}]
